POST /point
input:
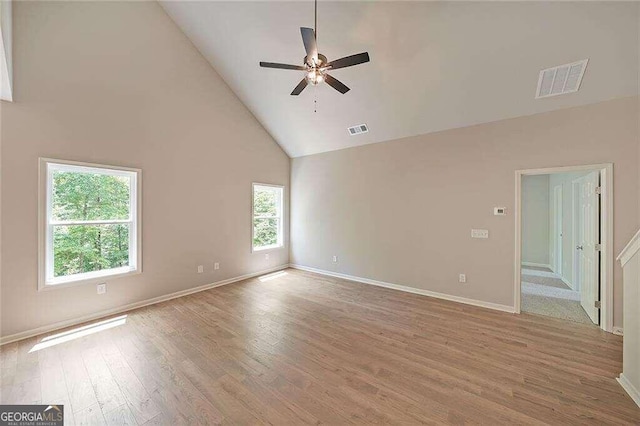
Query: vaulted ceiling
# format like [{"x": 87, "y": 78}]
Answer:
[{"x": 434, "y": 65}]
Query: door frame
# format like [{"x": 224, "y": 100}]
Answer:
[{"x": 606, "y": 235}]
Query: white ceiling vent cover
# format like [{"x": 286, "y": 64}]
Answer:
[
  {"x": 561, "y": 79},
  {"x": 359, "y": 129}
]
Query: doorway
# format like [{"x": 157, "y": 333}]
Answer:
[{"x": 564, "y": 258}]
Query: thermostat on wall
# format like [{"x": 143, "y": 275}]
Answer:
[
  {"x": 480, "y": 233},
  {"x": 499, "y": 211}
]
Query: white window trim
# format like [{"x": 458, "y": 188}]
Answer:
[
  {"x": 280, "y": 244},
  {"x": 45, "y": 228}
]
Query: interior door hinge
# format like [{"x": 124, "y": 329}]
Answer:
[
  {"x": 598, "y": 304},
  {"x": 598, "y": 190},
  {"x": 598, "y": 247}
]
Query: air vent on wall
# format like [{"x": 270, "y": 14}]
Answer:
[
  {"x": 356, "y": 130},
  {"x": 561, "y": 79}
]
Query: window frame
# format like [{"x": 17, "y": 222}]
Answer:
[
  {"x": 46, "y": 281},
  {"x": 281, "y": 238}
]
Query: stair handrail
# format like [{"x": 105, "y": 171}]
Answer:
[{"x": 630, "y": 250}]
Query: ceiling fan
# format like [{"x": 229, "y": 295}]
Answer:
[{"x": 315, "y": 65}]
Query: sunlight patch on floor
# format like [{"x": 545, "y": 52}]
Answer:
[
  {"x": 79, "y": 332},
  {"x": 273, "y": 276}
]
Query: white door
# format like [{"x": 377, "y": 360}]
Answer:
[
  {"x": 557, "y": 230},
  {"x": 588, "y": 256},
  {"x": 576, "y": 210}
]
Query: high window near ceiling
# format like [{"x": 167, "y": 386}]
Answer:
[
  {"x": 89, "y": 222},
  {"x": 267, "y": 218}
]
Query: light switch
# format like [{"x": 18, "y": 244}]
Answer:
[
  {"x": 479, "y": 233},
  {"x": 500, "y": 211}
]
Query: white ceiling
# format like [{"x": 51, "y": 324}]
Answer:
[{"x": 434, "y": 65}]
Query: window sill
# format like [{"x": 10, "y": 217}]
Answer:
[
  {"x": 88, "y": 278},
  {"x": 266, "y": 248}
]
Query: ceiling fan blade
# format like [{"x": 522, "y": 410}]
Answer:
[
  {"x": 300, "y": 87},
  {"x": 336, "y": 84},
  {"x": 282, "y": 66},
  {"x": 309, "y": 40},
  {"x": 349, "y": 61}
]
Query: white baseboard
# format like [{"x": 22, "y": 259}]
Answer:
[
  {"x": 618, "y": 331},
  {"x": 536, "y": 265},
  {"x": 537, "y": 273},
  {"x": 120, "y": 309},
  {"x": 459, "y": 299},
  {"x": 629, "y": 388},
  {"x": 566, "y": 281}
]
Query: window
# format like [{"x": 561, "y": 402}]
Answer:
[
  {"x": 90, "y": 222},
  {"x": 267, "y": 216}
]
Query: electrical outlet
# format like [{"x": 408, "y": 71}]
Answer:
[
  {"x": 462, "y": 278},
  {"x": 216, "y": 266},
  {"x": 335, "y": 259},
  {"x": 102, "y": 288},
  {"x": 266, "y": 256},
  {"x": 200, "y": 269}
]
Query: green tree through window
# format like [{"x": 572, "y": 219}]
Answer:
[
  {"x": 267, "y": 216},
  {"x": 89, "y": 197}
]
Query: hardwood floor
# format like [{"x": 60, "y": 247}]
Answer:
[{"x": 303, "y": 348}]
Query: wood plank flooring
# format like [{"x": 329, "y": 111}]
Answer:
[{"x": 307, "y": 349}]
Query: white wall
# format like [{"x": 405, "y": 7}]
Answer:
[
  {"x": 402, "y": 211},
  {"x": 535, "y": 220},
  {"x": 118, "y": 83}
]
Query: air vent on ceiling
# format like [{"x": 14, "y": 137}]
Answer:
[
  {"x": 561, "y": 79},
  {"x": 356, "y": 130}
]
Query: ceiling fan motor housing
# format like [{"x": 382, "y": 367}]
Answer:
[{"x": 322, "y": 60}]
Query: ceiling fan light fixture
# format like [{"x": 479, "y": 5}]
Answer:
[{"x": 315, "y": 76}]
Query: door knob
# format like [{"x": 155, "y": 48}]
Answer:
[{"x": 578, "y": 247}]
